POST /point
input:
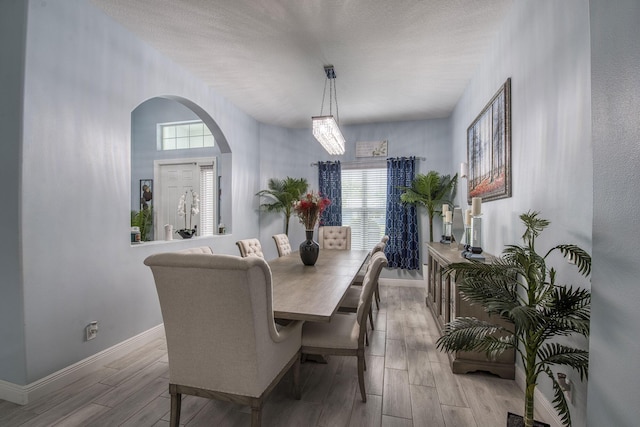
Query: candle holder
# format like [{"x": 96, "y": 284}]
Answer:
[
  {"x": 475, "y": 250},
  {"x": 466, "y": 241},
  {"x": 446, "y": 237}
]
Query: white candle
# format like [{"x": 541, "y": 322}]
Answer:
[
  {"x": 447, "y": 216},
  {"x": 445, "y": 209},
  {"x": 463, "y": 170},
  {"x": 467, "y": 217},
  {"x": 476, "y": 203}
]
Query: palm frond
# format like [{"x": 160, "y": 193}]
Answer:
[
  {"x": 559, "y": 354},
  {"x": 467, "y": 334},
  {"x": 568, "y": 311},
  {"x": 559, "y": 399},
  {"x": 577, "y": 255},
  {"x": 534, "y": 226}
]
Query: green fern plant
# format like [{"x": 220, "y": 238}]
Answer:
[
  {"x": 431, "y": 191},
  {"x": 520, "y": 288},
  {"x": 281, "y": 194}
]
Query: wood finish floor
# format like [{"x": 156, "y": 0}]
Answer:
[{"x": 408, "y": 383}]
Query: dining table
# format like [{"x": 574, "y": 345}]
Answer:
[{"x": 313, "y": 293}]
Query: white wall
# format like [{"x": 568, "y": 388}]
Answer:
[
  {"x": 544, "y": 47},
  {"x": 84, "y": 74},
  {"x": 614, "y": 378}
]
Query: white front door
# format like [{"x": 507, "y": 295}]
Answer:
[{"x": 175, "y": 180}]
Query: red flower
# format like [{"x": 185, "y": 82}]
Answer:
[{"x": 309, "y": 208}]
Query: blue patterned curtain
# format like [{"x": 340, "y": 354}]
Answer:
[
  {"x": 403, "y": 248},
  {"x": 330, "y": 186}
]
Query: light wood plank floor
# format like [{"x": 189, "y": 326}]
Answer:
[{"x": 409, "y": 383}]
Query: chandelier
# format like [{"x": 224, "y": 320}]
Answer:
[{"x": 325, "y": 128}]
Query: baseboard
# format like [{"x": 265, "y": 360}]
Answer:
[
  {"x": 542, "y": 404},
  {"x": 30, "y": 392},
  {"x": 402, "y": 282}
]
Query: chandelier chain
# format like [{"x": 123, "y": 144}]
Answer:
[
  {"x": 324, "y": 92},
  {"x": 335, "y": 94}
]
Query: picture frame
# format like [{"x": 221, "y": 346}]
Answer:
[
  {"x": 371, "y": 148},
  {"x": 489, "y": 149},
  {"x": 146, "y": 194}
]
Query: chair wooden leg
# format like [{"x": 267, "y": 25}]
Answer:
[
  {"x": 377, "y": 297},
  {"x": 361, "y": 369},
  {"x": 176, "y": 404},
  {"x": 371, "y": 318}
]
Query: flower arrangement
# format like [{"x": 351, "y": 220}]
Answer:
[
  {"x": 194, "y": 209},
  {"x": 309, "y": 208}
]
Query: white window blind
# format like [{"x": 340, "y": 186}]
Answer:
[
  {"x": 207, "y": 200},
  {"x": 364, "y": 202}
]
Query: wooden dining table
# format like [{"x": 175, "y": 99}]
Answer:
[{"x": 313, "y": 293}]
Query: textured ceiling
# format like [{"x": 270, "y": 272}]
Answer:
[{"x": 394, "y": 59}]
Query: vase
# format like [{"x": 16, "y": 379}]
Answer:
[
  {"x": 186, "y": 234},
  {"x": 309, "y": 249}
]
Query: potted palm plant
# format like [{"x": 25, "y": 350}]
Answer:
[
  {"x": 521, "y": 288},
  {"x": 143, "y": 219},
  {"x": 431, "y": 191},
  {"x": 281, "y": 194}
]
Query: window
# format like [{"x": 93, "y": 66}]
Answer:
[
  {"x": 364, "y": 203},
  {"x": 207, "y": 200},
  {"x": 184, "y": 135}
]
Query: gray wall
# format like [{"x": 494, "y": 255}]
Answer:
[
  {"x": 544, "y": 47},
  {"x": 84, "y": 75},
  {"x": 13, "y": 25},
  {"x": 614, "y": 377}
]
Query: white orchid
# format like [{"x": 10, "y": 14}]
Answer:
[
  {"x": 193, "y": 210},
  {"x": 181, "y": 205}
]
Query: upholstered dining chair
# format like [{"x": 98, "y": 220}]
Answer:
[
  {"x": 197, "y": 250},
  {"x": 222, "y": 341},
  {"x": 351, "y": 299},
  {"x": 250, "y": 247},
  {"x": 334, "y": 237},
  {"x": 357, "y": 280},
  {"x": 282, "y": 244},
  {"x": 345, "y": 334}
]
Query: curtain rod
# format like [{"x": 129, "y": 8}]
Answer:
[{"x": 370, "y": 160}]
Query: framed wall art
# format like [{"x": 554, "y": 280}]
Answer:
[
  {"x": 489, "y": 149},
  {"x": 146, "y": 193}
]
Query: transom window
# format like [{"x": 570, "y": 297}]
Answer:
[
  {"x": 364, "y": 202},
  {"x": 184, "y": 135}
]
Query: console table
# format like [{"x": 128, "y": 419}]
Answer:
[{"x": 446, "y": 304}]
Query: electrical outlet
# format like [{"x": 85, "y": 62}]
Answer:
[{"x": 91, "y": 330}]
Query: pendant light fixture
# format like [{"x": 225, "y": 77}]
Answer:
[{"x": 325, "y": 128}]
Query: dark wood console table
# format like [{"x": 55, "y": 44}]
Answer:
[{"x": 446, "y": 304}]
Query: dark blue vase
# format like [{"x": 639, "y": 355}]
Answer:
[{"x": 309, "y": 249}]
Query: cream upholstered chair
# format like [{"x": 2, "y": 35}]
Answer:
[
  {"x": 351, "y": 299},
  {"x": 197, "y": 250},
  {"x": 346, "y": 333},
  {"x": 334, "y": 237},
  {"x": 250, "y": 247},
  {"x": 282, "y": 244},
  {"x": 222, "y": 341},
  {"x": 357, "y": 280}
]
